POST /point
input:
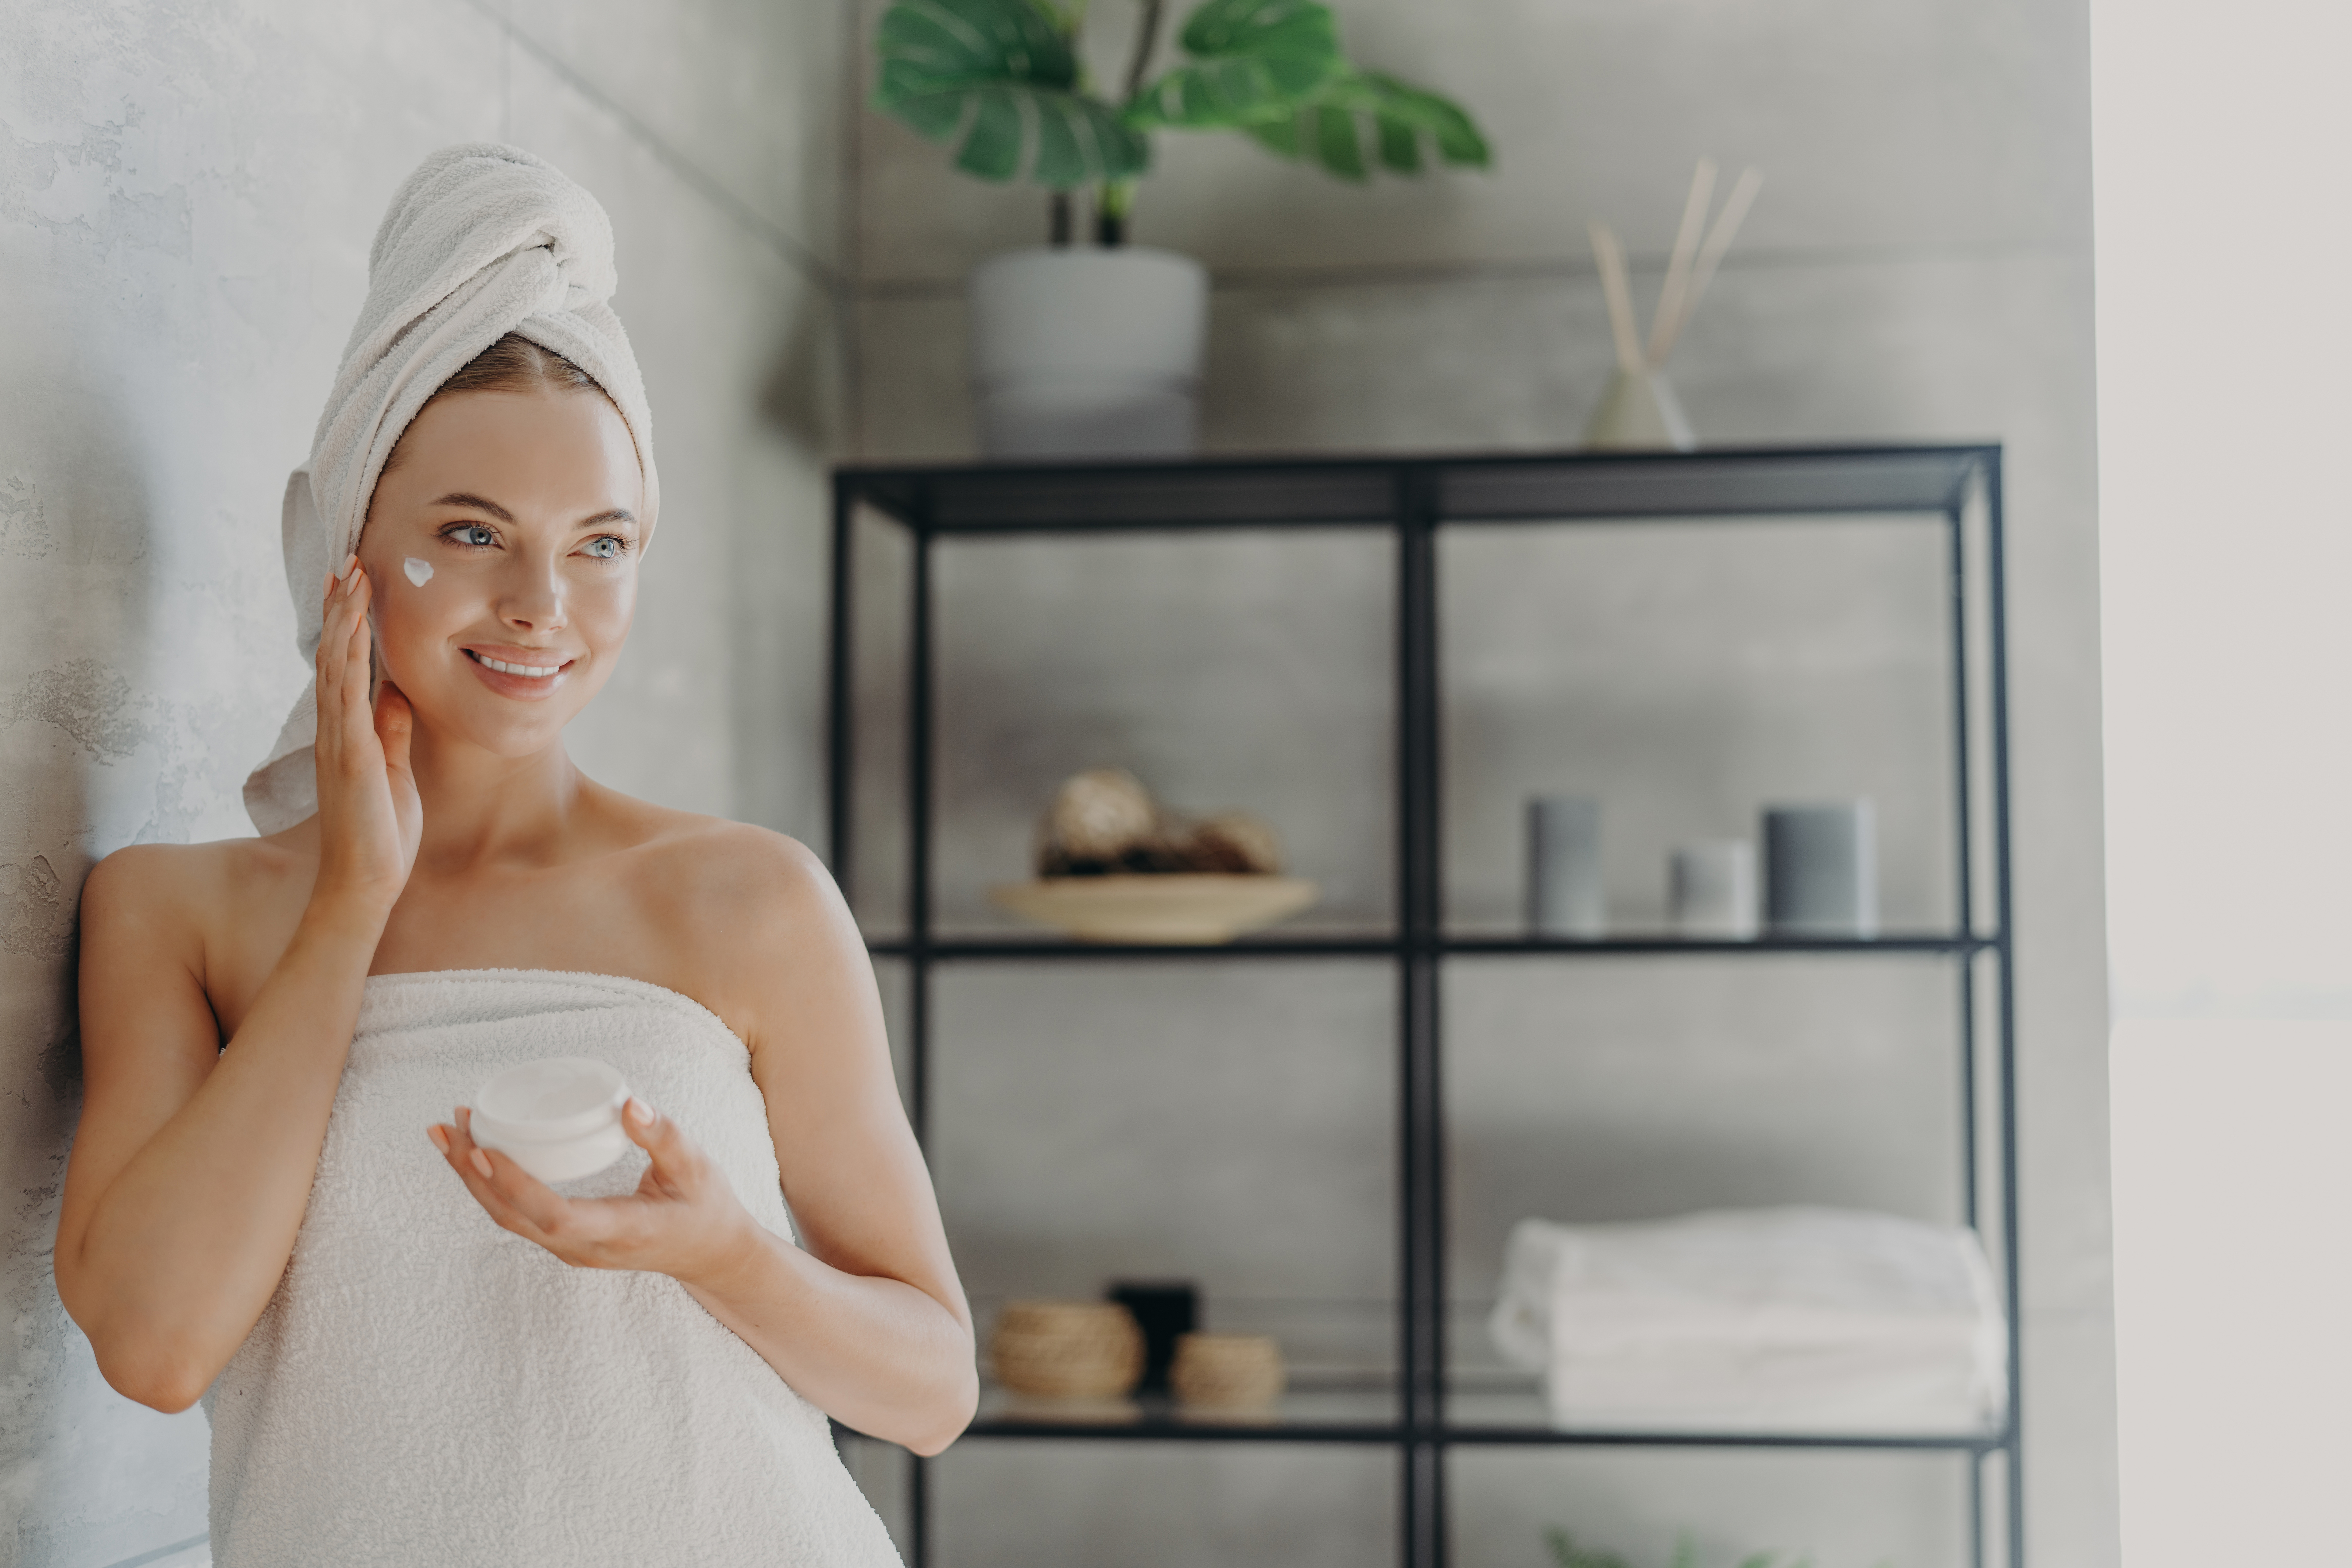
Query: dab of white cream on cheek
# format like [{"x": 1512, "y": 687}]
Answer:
[{"x": 419, "y": 571}]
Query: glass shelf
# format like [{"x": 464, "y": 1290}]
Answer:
[
  {"x": 1518, "y": 1416},
  {"x": 1247, "y": 493},
  {"x": 1356, "y": 1415},
  {"x": 1911, "y": 943},
  {"x": 1475, "y": 1416},
  {"x": 1501, "y": 946},
  {"x": 988, "y": 947}
]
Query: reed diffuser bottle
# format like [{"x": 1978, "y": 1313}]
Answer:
[{"x": 1639, "y": 411}]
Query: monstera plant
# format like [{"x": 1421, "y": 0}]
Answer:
[{"x": 1004, "y": 81}]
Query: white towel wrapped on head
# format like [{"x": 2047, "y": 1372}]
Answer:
[
  {"x": 1790, "y": 1319},
  {"x": 480, "y": 241}
]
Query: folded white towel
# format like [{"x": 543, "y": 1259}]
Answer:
[
  {"x": 480, "y": 241},
  {"x": 1789, "y": 1320},
  {"x": 427, "y": 1388}
]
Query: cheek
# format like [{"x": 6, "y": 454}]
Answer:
[
  {"x": 411, "y": 616},
  {"x": 603, "y": 607},
  {"x": 396, "y": 632}
]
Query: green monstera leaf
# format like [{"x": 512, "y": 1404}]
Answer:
[
  {"x": 1328, "y": 126},
  {"x": 1251, "y": 61},
  {"x": 1002, "y": 77}
]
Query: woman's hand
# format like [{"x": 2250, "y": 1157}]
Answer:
[
  {"x": 370, "y": 818},
  {"x": 683, "y": 1219}
]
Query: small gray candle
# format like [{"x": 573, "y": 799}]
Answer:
[
  {"x": 1820, "y": 869},
  {"x": 1566, "y": 894},
  {"x": 1711, "y": 890}
]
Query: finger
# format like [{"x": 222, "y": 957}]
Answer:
[
  {"x": 333, "y": 648},
  {"x": 677, "y": 1162},
  {"x": 526, "y": 1194},
  {"x": 457, "y": 1145},
  {"x": 480, "y": 1170},
  {"x": 548, "y": 1218},
  {"x": 358, "y": 719},
  {"x": 395, "y": 721},
  {"x": 333, "y": 585},
  {"x": 459, "y": 1153},
  {"x": 465, "y": 1157}
]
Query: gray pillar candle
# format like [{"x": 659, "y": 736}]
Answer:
[
  {"x": 1711, "y": 890},
  {"x": 1820, "y": 869},
  {"x": 1566, "y": 894}
]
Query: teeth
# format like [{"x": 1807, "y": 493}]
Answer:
[{"x": 532, "y": 671}]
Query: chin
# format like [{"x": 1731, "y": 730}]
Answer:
[
  {"x": 475, "y": 719},
  {"x": 517, "y": 741}
]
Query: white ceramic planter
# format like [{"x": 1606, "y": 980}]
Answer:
[{"x": 1083, "y": 352}]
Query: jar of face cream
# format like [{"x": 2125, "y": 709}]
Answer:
[{"x": 559, "y": 1117}]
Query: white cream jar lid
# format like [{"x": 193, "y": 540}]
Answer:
[{"x": 549, "y": 1099}]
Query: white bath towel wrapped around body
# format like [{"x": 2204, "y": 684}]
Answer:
[
  {"x": 428, "y": 1388},
  {"x": 1787, "y": 1320}
]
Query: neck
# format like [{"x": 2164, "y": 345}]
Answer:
[{"x": 482, "y": 809}]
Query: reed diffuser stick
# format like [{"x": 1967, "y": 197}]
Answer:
[
  {"x": 1678, "y": 270},
  {"x": 1710, "y": 255},
  {"x": 1611, "y": 256}
]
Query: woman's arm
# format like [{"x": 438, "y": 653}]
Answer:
[
  {"x": 193, "y": 1164},
  {"x": 865, "y": 1319},
  {"x": 877, "y": 1332}
]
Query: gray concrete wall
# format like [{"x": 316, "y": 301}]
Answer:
[
  {"x": 186, "y": 196},
  {"x": 1918, "y": 268}
]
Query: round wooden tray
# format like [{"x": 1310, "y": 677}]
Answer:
[{"x": 1178, "y": 908}]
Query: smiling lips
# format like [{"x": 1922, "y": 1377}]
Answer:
[
  {"x": 533, "y": 671},
  {"x": 519, "y": 677}
]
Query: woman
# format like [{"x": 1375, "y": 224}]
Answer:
[{"x": 411, "y": 1350}]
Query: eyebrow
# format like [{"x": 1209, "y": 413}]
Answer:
[
  {"x": 483, "y": 503},
  {"x": 478, "y": 504}
]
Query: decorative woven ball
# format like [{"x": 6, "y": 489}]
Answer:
[
  {"x": 1100, "y": 817},
  {"x": 1233, "y": 841},
  {"x": 1231, "y": 1372},
  {"x": 1066, "y": 1350}
]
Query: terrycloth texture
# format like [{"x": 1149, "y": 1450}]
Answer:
[
  {"x": 481, "y": 241},
  {"x": 1791, "y": 1320},
  {"x": 427, "y": 1388}
]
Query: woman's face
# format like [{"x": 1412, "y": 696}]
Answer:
[{"x": 524, "y": 506}]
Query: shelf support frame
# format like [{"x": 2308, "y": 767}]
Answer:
[
  {"x": 1421, "y": 1109},
  {"x": 932, "y": 503}
]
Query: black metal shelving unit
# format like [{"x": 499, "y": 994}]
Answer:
[{"x": 1415, "y": 499}]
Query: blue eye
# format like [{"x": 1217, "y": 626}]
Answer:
[
  {"x": 477, "y": 533},
  {"x": 605, "y": 547}
]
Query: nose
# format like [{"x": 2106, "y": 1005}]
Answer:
[{"x": 531, "y": 598}]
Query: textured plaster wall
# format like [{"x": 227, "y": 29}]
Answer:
[
  {"x": 1918, "y": 268},
  {"x": 187, "y": 191}
]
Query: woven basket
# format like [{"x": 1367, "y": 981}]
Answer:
[
  {"x": 1066, "y": 1350},
  {"x": 1230, "y": 1371}
]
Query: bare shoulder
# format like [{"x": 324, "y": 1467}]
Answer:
[
  {"x": 734, "y": 861},
  {"x": 192, "y": 884},
  {"x": 731, "y": 883},
  {"x": 746, "y": 921},
  {"x": 220, "y": 912}
]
